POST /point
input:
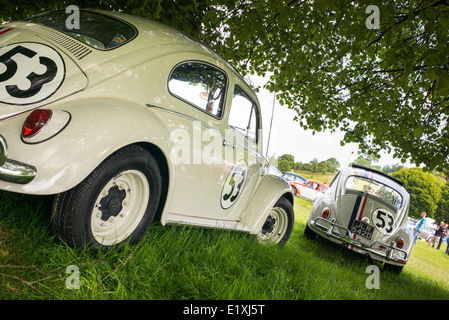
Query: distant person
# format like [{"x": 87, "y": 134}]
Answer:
[
  {"x": 443, "y": 235},
  {"x": 447, "y": 248},
  {"x": 419, "y": 227},
  {"x": 437, "y": 235}
]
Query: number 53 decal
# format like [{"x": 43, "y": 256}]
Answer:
[
  {"x": 233, "y": 186},
  {"x": 29, "y": 73},
  {"x": 383, "y": 220}
]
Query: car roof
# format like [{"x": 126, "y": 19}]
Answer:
[
  {"x": 378, "y": 172},
  {"x": 318, "y": 182},
  {"x": 152, "y": 33},
  {"x": 170, "y": 35}
]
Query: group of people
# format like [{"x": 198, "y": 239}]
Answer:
[{"x": 437, "y": 238}]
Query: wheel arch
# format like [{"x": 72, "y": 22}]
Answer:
[
  {"x": 270, "y": 185},
  {"x": 163, "y": 163},
  {"x": 289, "y": 197}
]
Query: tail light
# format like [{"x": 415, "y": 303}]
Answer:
[
  {"x": 35, "y": 121},
  {"x": 400, "y": 243},
  {"x": 325, "y": 213}
]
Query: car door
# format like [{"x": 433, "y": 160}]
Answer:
[
  {"x": 242, "y": 145},
  {"x": 216, "y": 150},
  {"x": 307, "y": 190},
  {"x": 197, "y": 138}
]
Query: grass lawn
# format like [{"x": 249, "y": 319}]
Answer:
[
  {"x": 177, "y": 263},
  {"x": 322, "y": 177}
]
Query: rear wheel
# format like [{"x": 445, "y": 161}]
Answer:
[
  {"x": 309, "y": 233},
  {"x": 113, "y": 205},
  {"x": 279, "y": 224},
  {"x": 393, "y": 268}
]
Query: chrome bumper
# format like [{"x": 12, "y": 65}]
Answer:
[
  {"x": 387, "y": 252},
  {"x": 11, "y": 170}
]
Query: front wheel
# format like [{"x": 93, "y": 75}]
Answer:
[
  {"x": 114, "y": 204},
  {"x": 279, "y": 224}
]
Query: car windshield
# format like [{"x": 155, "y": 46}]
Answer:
[
  {"x": 95, "y": 29},
  {"x": 376, "y": 189}
]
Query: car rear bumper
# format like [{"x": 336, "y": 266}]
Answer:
[
  {"x": 376, "y": 249},
  {"x": 11, "y": 170}
]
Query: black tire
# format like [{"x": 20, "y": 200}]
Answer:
[
  {"x": 393, "y": 268},
  {"x": 279, "y": 224},
  {"x": 117, "y": 200},
  {"x": 309, "y": 233}
]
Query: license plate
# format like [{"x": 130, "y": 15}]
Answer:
[{"x": 362, "y": 229}]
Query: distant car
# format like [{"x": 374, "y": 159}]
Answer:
[
  {"x": 127, "y": 120},
  {"x": 428, "y": 232},
  {"x": 294, "y": 180},
  {"x": 275, "y": 171},
  {"x": 309, "y": 190},
  {"x": 411, "y": 223},
  {"x": 290, "y": 177},
  {"x": 366, "y": 211}
]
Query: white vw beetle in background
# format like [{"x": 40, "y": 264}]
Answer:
[
  {"x": 366, "y": 211},
  {"x": 125, "y": 120}
]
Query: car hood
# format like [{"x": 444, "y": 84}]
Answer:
[{"x": 37, "y": 66}]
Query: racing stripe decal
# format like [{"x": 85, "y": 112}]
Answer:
[
  {"x": 363, "y": 207},
  {"x": 4, "y": 30},
  {"x": 355, "y": 209}
]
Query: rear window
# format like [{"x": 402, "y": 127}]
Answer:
[
  {"x": 96, "y": 30},
  {"x": 375, "y": 188}
]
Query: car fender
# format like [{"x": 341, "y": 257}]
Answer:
[
  {"x": 407, "y": 235},
  {"x": 92, "y": 135},
  {"x": 322, "y": 202},
  {"x": 260, "y": 205}
]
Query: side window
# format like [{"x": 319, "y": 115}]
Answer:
[
  {"x": 244, "y": 117},
  {"x": 199, "y": 84}
]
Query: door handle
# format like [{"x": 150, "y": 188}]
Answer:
[{"x": 229, "y": 143}]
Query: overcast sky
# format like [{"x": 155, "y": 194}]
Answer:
[{"x": 288, "y": 137}]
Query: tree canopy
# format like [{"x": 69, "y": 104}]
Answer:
[
  {"x": 286, "y": 163},
  {"x": 424, "y": 188},
  {"x": 379, "y": 73},
  {"x": 442, "y": 212}
]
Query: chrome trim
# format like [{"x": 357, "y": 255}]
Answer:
[
  {"x": 347, "y": 238},
  {"x": 3, "y": 150},
  {"x": 11, "y": 170},
  {"x": 17, "y": 172}
]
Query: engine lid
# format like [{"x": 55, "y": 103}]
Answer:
[{"x": 34, "y": 71}]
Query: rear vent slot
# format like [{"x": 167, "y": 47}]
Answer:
[{"x": 71, "y": 45}]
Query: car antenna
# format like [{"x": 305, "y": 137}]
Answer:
[{"x": 271, "y": 123}]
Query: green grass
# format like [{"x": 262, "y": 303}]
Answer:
[
  {"x": 193, "y": 263},
  {"x": 322, "y": 177}
]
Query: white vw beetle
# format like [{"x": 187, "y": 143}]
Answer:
[
  {"x": 125, "y": 120},
  {"x": 366, "y": 211}
]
